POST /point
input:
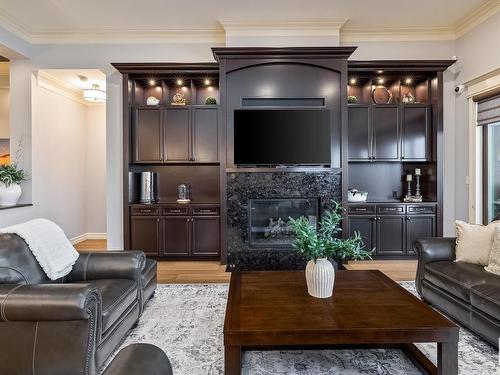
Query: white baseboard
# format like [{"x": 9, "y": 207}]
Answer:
[{"x": 88, "y": 236}]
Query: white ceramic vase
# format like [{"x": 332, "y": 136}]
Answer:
[
  {"x": 320, "y": 277},
  {"x": 9, "y": 195}
]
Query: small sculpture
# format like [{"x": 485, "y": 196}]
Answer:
[
  {"x": 179, "y": 99},
  {"x": 351, "y": 99},
  {"x": 151, "y": 100},
  {"x": 210, "y": 100},
  {"x": 183, "y": 194},
  {"x": 408, "y": 98}
]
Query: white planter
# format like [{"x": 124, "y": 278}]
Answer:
[
  {"x": 320, "y": 277},
  {"x": 9, "y": 195}
]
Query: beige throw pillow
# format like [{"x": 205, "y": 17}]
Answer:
[
  {"x": 474, "y": 242},
  {"x": 494, "y": 265}
]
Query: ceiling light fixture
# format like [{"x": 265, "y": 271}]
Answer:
[
  {"x": 207, "y": 82},
  {"x": 408, "y": 80},
  {"x": 381, "y": 80},
  {"x": 179, "y": 82},
  {"x": 152, "y": 82},
  {"x": 352, "y": 81},
  {"x": 94, "y": 94}
]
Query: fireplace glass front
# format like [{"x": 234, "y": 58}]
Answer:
[{"x": 268, "y": 220}]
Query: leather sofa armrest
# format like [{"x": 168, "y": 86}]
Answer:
[
  {"x": 108, "y": 265},
  {"x": 48, "y": 302},
  {"x": 432, "y": 250}
]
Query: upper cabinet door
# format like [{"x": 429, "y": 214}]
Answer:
[
  {"x": 415, "y": 123},
  {"x": 176, "y": 135},
  {"x": 147, "y": 134},
  {"x": 206, "y": 135},
  {"x": 359, "y": 132},
  {"x": 385, "y": 123}
]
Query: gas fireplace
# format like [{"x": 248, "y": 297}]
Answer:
[{"x": 269, "y": 220}]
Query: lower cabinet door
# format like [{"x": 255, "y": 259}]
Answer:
[
  {"x": 145, "y": 234},
  {"x": 391, "y": 235},
  {"x": 176, "y": 236},
  {"x": 206, "y": 236},
  {"x": 419, "y": 226},
  {"x": 365, "y": 225}
]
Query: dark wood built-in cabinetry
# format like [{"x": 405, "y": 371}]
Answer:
[
  {"x": 176, "y": 231},
  {"x": 391, "y": 229},
  {"x": 175, "y": 134},
  {"x": 180, "y": 143}
]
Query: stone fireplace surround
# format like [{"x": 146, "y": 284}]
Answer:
[{"x": 242, "y": 186}]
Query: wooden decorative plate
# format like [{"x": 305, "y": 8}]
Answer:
[{"x": 381, "y": 95}]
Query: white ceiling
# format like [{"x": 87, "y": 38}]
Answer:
[{"x": 35, "y": 20}]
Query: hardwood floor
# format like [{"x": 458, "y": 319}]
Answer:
[{"x": 186, "y": 272}]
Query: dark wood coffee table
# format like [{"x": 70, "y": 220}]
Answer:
[{"x": 272, "y": 309}]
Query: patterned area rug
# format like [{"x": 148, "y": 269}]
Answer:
[{"x": 186, "y": 322}]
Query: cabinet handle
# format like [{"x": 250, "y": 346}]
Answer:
[
  {"x": 408, "y": 218},
  {"x": 157, "y": 220}
]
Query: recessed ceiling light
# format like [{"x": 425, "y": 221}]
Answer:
[
  {"x": 180, "y": 82},
  {"x": 152, "y": 82},
  {"x": 380, "y": 71},
  {"x": 408, "y": 80},
  {"x": 207, "y": 82},
  {"x": 352, "y": 81},
  {"x": 380, "y": 80}
]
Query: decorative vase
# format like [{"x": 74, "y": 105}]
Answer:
[
  {"x": 320, "y": 277},
  {"x": 9, "y": 195}
]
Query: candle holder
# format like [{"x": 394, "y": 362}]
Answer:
[
  {"x": 408, "y": 197},
  {"x": 418, "y": 196}
]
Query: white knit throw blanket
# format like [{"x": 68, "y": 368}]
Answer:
[{"x": 48, "y": 243}]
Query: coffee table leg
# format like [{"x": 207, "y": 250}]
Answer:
[
  {"x": 232, "y": 360},
  {"x": 447, "y": 358}
]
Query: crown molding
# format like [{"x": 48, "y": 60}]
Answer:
[
  {"x": 396, "y": 34},
  {"x": 475, "y": 18},
  {"x": 53, "y": 84},
  {"x": 292, "y": 28}
]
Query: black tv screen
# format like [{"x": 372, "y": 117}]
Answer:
[{"x": 281, "y": 136}]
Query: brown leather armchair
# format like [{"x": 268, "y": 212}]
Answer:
[{"x": 71, "y": 325}]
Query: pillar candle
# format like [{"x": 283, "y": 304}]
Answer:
[
  {"x": 409, "y": 177},
  {"x": 417, "y": 171}
]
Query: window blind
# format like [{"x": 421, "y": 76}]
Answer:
[{"x": 488, "y": 108}]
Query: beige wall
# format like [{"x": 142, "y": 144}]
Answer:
[
  {"x": 4, "y": 113},
  {"x": 65, "y": 177},
  {"x": 95, "y": 169}
]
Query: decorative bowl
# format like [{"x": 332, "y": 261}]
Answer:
[
  {"x": 151, "y": 100},
  {"x": 354, "y": 195}
]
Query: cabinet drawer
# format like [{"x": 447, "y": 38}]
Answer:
[
  {"x": 361, "y": 210},
  {"x": 173, "y": 211},
  {"x": 391, "y": 210},
  {"x": 206, "y": 211},
  {"x": 144, "y": 211},
  {"x": 420, "y": 209}
]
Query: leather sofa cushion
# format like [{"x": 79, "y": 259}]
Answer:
[
  {"x": 117, "y": 296},
  {"x": 486, "y": 298},
  {"x": 456, "y": 277}
]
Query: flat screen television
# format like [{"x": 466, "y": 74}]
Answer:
[{"x": 282, "y": 137}]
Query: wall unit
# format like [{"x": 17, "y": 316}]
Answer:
[
  {"x": 181, "y": 144},
  {"x": 374, "y": 144}
]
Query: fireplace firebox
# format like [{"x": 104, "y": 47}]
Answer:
[{"x": 269, "y": 220}]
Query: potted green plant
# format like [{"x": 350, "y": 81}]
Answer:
[
  {"x": 11, "y": 177},
  {"x": 317, "y": 244}
]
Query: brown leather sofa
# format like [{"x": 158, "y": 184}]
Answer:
[
  {"x": 71, "y": 325},
  {"x": 464, "y": 291}
]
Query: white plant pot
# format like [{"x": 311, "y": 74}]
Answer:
[
  {"x": 9, "y": 195},
  {"x": 320, "y": 277}
]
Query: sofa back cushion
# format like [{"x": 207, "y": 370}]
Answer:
[
  {"x": 17, "y": 263},
  {"x": 474, "y": 242},
  {"x": 494, "y": 263}
]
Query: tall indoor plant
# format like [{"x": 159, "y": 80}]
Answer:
[
  {"x": 317, "y": 244},
  {"x": 11, "y": 177}
]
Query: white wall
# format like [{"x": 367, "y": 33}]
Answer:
[
  {"x": 478, "y": 54},
  {"x": 95, "y": 169}
]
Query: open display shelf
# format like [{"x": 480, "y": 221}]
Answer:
[{"x": 405, "y": 88}]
